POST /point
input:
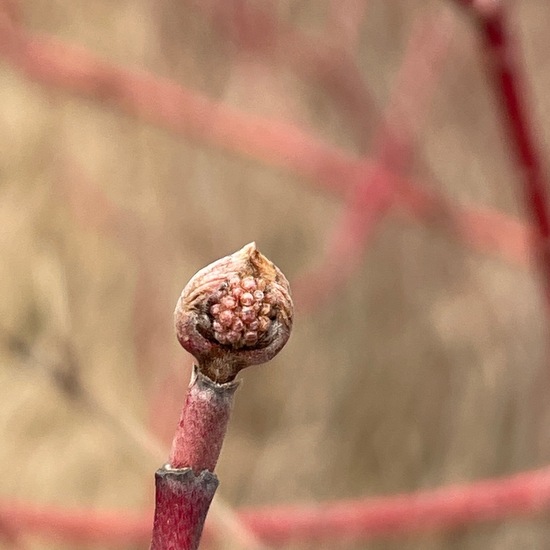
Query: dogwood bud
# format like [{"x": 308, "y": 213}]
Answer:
[{"x": 234, "y": 313}]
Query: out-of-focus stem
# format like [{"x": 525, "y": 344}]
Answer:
[
  {"x": 371, "y": 199},
  {"x": 51, "y": 62},
  {"x": 442, "y": 509},
  {"x": 509, "y": 86},
  {"x": 204, "y": 417},
  {"x": 159, "y": 101}
]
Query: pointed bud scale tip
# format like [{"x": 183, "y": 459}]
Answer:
[{"x": 234, "y": 313}]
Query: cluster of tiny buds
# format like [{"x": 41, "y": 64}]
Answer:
[{"x": 240, "y": 311}]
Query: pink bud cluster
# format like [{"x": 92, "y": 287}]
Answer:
[{"x": 240, "y": 312}]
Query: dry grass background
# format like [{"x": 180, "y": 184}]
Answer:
[{"x": 427, "y": 368}]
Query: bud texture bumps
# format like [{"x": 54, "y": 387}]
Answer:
[{"x": 234, "y": 313}]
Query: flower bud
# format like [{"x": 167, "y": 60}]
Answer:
[{"x": 234, "y": 313}]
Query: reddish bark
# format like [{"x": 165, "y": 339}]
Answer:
[
  {"x": 186, "y": 486},
  {"x": 201, "y": 429},
  {"x": 182, "y": 502}
]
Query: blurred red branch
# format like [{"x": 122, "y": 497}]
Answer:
[
  {"x": 166, "y": 104},
  {"x": 163, "y": 103},
  {"x": 394, "y": 144},
  {"x": 440, "y": 509},
  {"x": 484, "y": 230},
  {"x": 509, "y": 87},
  {"x": 77, "y": 526}
]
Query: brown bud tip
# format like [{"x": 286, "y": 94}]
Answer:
[{"x": 234, "y": 313}]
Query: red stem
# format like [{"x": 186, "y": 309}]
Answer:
[
  {"x": 203, "y": 423},
  {"x": 182, "y": 502},
  {"x": 441, "y": 509},
  {"x": 509, "y": 86},
  {"x": 186, "y": 486},
  {"x": 486, "y": 231}
]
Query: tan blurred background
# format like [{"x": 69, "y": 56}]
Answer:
[{"x": 426, "y": 368}]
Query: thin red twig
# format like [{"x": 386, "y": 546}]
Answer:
[
  {"x": 346, "y": 245},
  {"x": 509, "y": 85},
  {"x": 185, "y": 487},
  {"x": 203, "y": 423},
  {"x": 182, "y": 500},
  {"x": 441, "y": 509}
]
